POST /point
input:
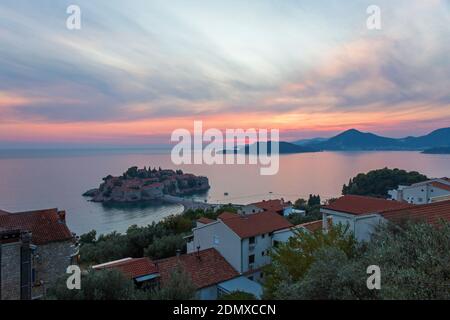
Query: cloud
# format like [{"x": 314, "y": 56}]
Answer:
[{"x": 298, "y": 66}]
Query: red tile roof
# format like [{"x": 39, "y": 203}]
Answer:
[
  {"x": 205, "y": 268},
  {"x": 441, "y": 186},
  {"x": 270, "y": 205},
  {"x": 246, "y": 226},
  {"x": 430, "y": 213},
  {"x": 312, "y": 226},
  {"x": 45, "y": 225},
  {"x": 205, "y": 220},
  {"x": 131, "y": 268},
  {"x": 361, "y": 205},
  {"x": 3, "y": 212}
]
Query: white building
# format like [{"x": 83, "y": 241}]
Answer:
[
  {"x": 423, "y": 192},
  {"x": 244, "y": 240},
  {"x": 363, "y": 214},
  {"x": 279, "y": 206}
]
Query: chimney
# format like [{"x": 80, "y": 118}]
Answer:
[{"x": 62, "y": 216}]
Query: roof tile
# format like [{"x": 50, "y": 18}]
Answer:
[
  {"x": 431, "y": 213},
  {"x": 361, "y": 205},
  {"x": 131, "y": 268},
  {"x": 246, "y": 226},
  {"x": 45, "y": 225},
  {"x": 206, "y": 268}
]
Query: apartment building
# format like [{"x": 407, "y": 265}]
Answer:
[
  {"x": 244, "y": 240},
  {"x": 433, "y": 190},
  {"x": 363, "y": 214}
]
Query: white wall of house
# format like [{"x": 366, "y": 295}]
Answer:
[
  {"x": 217, "y": 235},
  {"x": 259, "y": 250},
  {"x": 208, "y": 293},
  {"x": 423, "y": 194},
  {"x": 361, "y": 226},
  {"x": 419, "y": 193},
  {"x": 250, "y": 209}
]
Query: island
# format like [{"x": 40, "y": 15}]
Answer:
[
  {"x": 139, "y": 185},
  {"x": 438, "y": 150},
  {"x": 283, "y": 148}
]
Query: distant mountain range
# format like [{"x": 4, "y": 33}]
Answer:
[{"x": 354, "y": 140}]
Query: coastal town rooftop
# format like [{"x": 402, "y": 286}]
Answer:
[
  {"x": 431, "y": 213},
  {"x": 45, "y": 225},
  {"x": 362, "y": 205},
  {"x": 441, "y": 185},
  {"x": 205, "y": 268},
  {"x": 246, "y": 226},
  {"x": 132, "y": 268},
  {"x": 276, "y": 205}
]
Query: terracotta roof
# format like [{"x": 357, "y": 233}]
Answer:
[
  {"x": 45, "y": 225},
  {"x": 205, "y": 220},
  {"x": 360, "y": 205},
  {"x": 131, "y": 268},
  {"x": 430, "y": 213},
  {"x": 3, "y": 212},
  {"x": 441, "y": 186},
  {"x": 205, "y": 268},
  {"x": 270, "y": 205},
  {"x": 251, "y": 225},
  {"x": 312, "y": 226}
]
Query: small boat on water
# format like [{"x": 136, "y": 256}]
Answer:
[{"x": 226, "y": 194}]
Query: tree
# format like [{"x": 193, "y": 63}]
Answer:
[
  {"x": 292, "y": 260},
  {"x": 98, "y": 285},
  {"x": 414, "y": 259},
  {"x": 377, "y": 183},
  {"x": 88, "y": 238},
  {"x": 331, "y": 276},
  {"x": 165, "y": 247},
  {"x": 313, "y": 200},
  {"x": 238, "y": 295},
  {"x": 178, "y": 287}
]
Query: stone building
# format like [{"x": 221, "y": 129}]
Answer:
[{"x": 36, "y": 248}]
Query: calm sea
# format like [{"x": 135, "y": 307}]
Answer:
[{"x": 55, "y": 178}]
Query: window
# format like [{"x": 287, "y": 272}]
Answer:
[
  {"x": 263, "y": 253},
  {"x": 251, "y": 259},
  {"x": 263, "y": 235},
  {"x": 262, "y": 275},
  {"x": 251, "y": 240}
]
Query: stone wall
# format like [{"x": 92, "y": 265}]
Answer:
[
  {"x": 50, "y": 262},
  {"x": 10, "y": 271}
]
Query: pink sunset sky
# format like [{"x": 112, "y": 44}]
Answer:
[{"x": 137, "y": 71}]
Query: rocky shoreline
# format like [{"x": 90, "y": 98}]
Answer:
[{"x": 139, "y": 185}]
